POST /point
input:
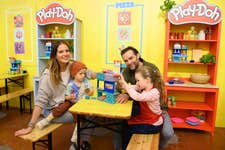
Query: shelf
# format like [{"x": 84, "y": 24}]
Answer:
[
  {"x": 202, "y": 126},
  {"x": 73, "y": 41},
  {"x": 198, "y": 41},
  {"x": 44, "y": 57},
  {"x": 189, "y": 63},
  {"x": 189, "y": 86},
  {"x": 55, "y": 39},
  {"x": 191, "y": 96},
  {"x": 191, "y": 105}
]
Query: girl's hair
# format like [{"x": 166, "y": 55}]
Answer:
[
  {"x": 156, "y": 79},
  {"x": 53, "y": 65}
]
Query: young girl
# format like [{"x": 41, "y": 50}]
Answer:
[
  {"x": 76, "y": 89},
  {"x": 148, "y": 91}
]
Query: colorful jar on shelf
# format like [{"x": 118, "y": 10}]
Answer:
[
  {"x": 201, "y": 35},
  {"x": 173, "y": 35},
  {"x": 208, "y": 34},
  {"x": 180, "y": 35}
]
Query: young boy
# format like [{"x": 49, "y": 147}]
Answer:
[{"x": 76, "y": 89}]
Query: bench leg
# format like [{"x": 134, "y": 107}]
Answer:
[
  {"x": 30, "y": 102},
  {"x": 7, "y": 105},
  {"x": 78, "y": 131},
  {"x": 44, "y": 143},
  {"x": 33, "y": 145},
  {"x": 21, "y": 103},
  {"x": 23, "y": 99},
  {"x": 24, "y": 102},
  {"x": 50, "y": 141}
]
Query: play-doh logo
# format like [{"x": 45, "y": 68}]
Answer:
[
  {"x": 195, "y": 11},
  {"x": 54, "y": 13}
]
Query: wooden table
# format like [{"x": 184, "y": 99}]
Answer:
[
  {"x": 100, "y": 109},
  {"x": 12, "y": 78}
]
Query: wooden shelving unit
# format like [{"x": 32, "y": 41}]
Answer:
[
  {"x": 190, "y": 96},
  {"x": 75, "y": 29}
]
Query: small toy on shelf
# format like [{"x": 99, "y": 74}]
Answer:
[
  {"x": 208, "y": 34},
  {"x": 196, "y": 54},
  {"x": 183, "y": 56},
  {"x": 15, "y": 65},
  {"x": 48, "y": 46},
  {"x": 55, "y": 32},
  {"x": 171, "y": 100},
  {"x": 177, "y": 120},
  {"x": 201, "y": 35},
  {"x": 192, "y": 34},
  {"x": 192, "y": 121},
  {"x": 199, "y": 114},
  {"x": 108, "y": 92},
  {"x": 67, "y": 34},
  {"x": 176, "y": 55},
  {"x": 179, "y": 53}
]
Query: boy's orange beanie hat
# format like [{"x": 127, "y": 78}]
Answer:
[{"x": 75, "y": 67}]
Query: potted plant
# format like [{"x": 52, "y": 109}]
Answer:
[
  {"x": 167, "y": 5},
  {"x": 208, "y": 58}
]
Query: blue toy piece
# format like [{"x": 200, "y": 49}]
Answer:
[{"x": 108, "y": 92}]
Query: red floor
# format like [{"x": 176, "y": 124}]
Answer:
[{"x": 188, "y": 139}]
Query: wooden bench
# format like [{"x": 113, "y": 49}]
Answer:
[
  {"x": 2, "y": 88},
  {"x": 144, "y": 142},
  {"x": 36, "y": 135},
  {"x": 23, "y": 94}
]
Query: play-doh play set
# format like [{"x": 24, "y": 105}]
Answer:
[{"x": 15, "y": 66}]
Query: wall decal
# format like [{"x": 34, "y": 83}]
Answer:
[
  {"x": 120, "y": 30},
  {"x": 19, "y": 33},
  {"x": 124, "y": 18}
]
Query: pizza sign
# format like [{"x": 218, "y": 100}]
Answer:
[
  {"x": 195, "y": 11},
  {"x": 55, "y": 13}
]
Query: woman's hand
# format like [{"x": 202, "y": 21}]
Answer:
[
  {"x": 70, "y": 97},
  {"x": 23, "y": 131},
  {"x": 89, "y": 91}
]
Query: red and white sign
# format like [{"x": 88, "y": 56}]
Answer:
[
  {"x": 55, "y": 13},
  {"x": 195, "y": 11}
]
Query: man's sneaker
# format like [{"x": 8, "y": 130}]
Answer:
[
  {"x": 85, "y": 145},
  {"x": 74, "y": 136},
  {"x": 43, "y": 123},
  {"x": 73, "y": 147}
]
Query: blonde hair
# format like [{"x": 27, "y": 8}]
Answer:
[{"x": 155, "y": 77}]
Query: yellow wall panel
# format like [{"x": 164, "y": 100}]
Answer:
[{"x": 93, "y": 43}]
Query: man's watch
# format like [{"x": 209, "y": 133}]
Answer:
[{"x": 31, "y": 124}]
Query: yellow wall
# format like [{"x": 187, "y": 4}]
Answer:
[{"x": 93, "y": 17}]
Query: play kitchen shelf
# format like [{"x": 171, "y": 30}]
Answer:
[
  {"x": 188, "y": 39},
  {"x": 63, "y": 26}
]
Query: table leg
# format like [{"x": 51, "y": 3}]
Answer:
[
  {"x": 6, "y": 92},
  {"x": 78, "y": 132}
]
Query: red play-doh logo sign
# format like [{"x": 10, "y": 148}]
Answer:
[
  {"x": 55, "y": 13},
  {"x": 195, "y": 11}
]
